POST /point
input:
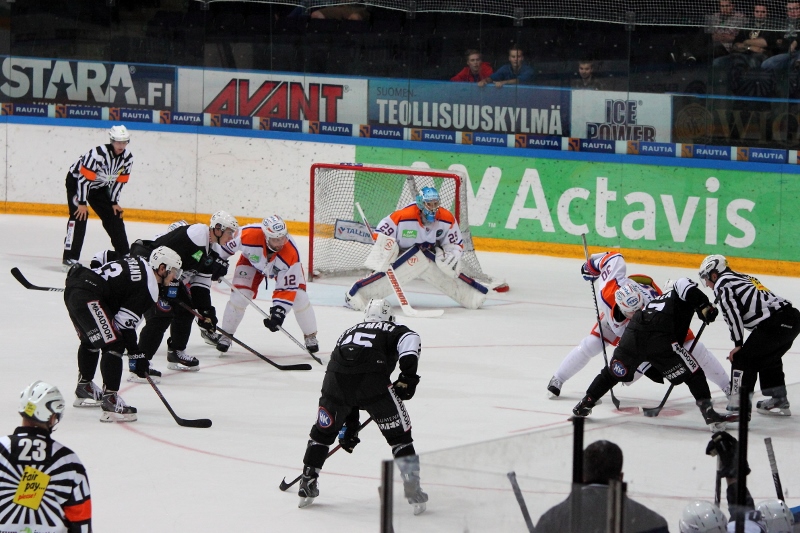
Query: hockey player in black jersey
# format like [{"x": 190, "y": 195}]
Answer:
[
  {"x": 105, "y": 305},
  {"x": 45, "y": 483},
  {"x": 97, "y": 179},
  {"x": 199, "y": 247},
  {"x": 656, "y": 334},
  {"x": 359, "y": 377}
]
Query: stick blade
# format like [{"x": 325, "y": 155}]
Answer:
[
  {"x": 429, "y": 313},
  {"x": 651, "y": 412},
  {"x": 303, "y": 366},
  {"x": 199, "y": 423},
  {"x": 284, "y": 486}
]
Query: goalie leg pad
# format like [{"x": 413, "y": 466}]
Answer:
[
  {"x": 382, "y": 254},
  {"x": 463, "y": 289},
  {"x": 410, "y": 265}
]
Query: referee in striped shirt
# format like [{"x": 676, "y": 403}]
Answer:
[{"x": 773, "y": 325}]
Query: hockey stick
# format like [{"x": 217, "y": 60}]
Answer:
[
  {"x": 283, "y": 486},
  {"x": 265, "y": 315},
  {"x": 654, "y": 411},
  {"x": 28, "y": 285},
  {"x": 198, "y": 423},
  {"x": 512, "y": 477},
  {"x": 776, "y": 478},
  {"x": 614, "y": 399},
  {"x": 303, "y": 366},
  {"x": 395, "y": 283},
  {"x": 718, "y": 483}
]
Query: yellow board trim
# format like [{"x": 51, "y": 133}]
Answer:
[{"x": 677, "y": 259}]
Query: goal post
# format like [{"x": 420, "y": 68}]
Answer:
[{"x": 339, "y": 240}]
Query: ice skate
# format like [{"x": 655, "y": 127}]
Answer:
[
  {"x": 311, "y": 343},
  {"x": 308, "y": 487},
  {"x": 714, "y": 420},
  {"x": 115, "y": 409},
  {"x": 584, "y": 407},
  {"x": 152, "y": 372},
  {"x": 409, "y": 472},
  {"x": 774, "y": 406},
  {"x": 733, "y": 403},
  {"x": 223, "y": 344},
  {"x": 87, "y": 394},
  {"x": 179, "y": 360},
  {"x": 554, "y": 388},
  {"x": 210, "y": 338}
]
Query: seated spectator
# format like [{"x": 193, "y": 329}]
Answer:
[
  {"x": 516, "y": 72},
  {"x": 758, "y": 43},
  {"x": 786, "y": 44},
  {"x": 602, "y": 462},
  {"x": 345, "y": 12},
  {"x": 725, "y": 24},
  {"x": 476, "y": 69},
  {"x": 586, "y": 78}
]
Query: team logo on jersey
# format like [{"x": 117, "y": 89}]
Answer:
[
  {"x": 102, "y": 321},
  {"x": 618, "y": 369},
  {"x": 197, "y": 255},
  {"x": 439, "y": 233},
  {"x": 324, "y": 418},
  {"x": 31, "y": 487},
  {"x": 409, "y": 234}
]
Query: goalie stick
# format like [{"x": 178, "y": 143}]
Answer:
[
  {"x": 265, "y": 315},
  {"x": 776, "y": 478},
  {"x": 397, "y": 288},
  {"x": 283, "y": 486},
  {"x": 303, "y": 366},
  {"x": 28, "y": 285}
]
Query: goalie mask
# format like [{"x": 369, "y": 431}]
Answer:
[
  {"x": 712, "y": 263},
  {"x": 776, "y": 515},
  {"x": 702, "y": 517},
  {"x": 275, "y": 231},
  {"x": 630, "y": 298},
  {"x": 378, "y": 310},
  {"x": 428, "y": 203},
  {"x": 39, "y": 401}
]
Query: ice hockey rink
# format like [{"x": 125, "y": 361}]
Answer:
[{"x": 480, "y": 410}]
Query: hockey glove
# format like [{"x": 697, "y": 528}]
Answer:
[
  {"x": 209, "y": 321},
  {"x": 589, "y": 272},
  {"x": 405, "y": 386},
  {"x": 708, "y": 313},
  {"x": 138, "y": 364},
  {"x": 218, "y": 268},
  {"x": 277, "y": 314},
  {"x": 727, "y": 447},
  {"x": 348, "y": 438}
]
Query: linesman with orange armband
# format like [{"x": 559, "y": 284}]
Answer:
[
  {"x": 268, "y": 251},
  {"x": 421, "y": 240}
]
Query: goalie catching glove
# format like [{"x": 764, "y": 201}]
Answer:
[
  {"x": 406, "y": 386},
  {"x": 209, "y": 321},
  {"x": 277, "y": 315}
]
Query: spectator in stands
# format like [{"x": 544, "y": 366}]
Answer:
[
  {"x": 516, "y": 72},
  {"x": 726, "y": 24},
  {"x": 758, "y": 43},
  {"x": 586, "y": 79},
  {"x": 345, "y": 12},
  {"x": 787, "y": 43},
  {"x": 476, "y": 69},
  {"x": 602, "y": 462}
]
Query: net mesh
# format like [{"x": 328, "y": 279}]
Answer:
[
  {"x": 699, "y": 13},
  {"x": 340, "y": 241}
]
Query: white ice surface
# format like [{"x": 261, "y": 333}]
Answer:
[{"x": 483, "y": 372}]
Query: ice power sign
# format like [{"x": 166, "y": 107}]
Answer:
[{"x": 690, "y": 210}]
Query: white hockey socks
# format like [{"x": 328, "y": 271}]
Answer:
[
  {"x": 304, "y": 313},
  {"x": 578, "y": 358},
  {"x": 711, "y": 366},
  {"x": 234, "y": 311}
]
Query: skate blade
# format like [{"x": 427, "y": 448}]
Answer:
[
  {"x": 775, "y": 412},
  {"x": 183, "y": 368},
  {"x": 419, "y": 508},
  {"x": 133, "y": 378},
  {"x": 305, "y": 502},
  {"x": 107, "y": 416},
  {"x": 86, "y": 402}
]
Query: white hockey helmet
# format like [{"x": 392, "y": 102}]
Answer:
[
  {"x": 378, "y": 310},
  {"x": 776, "y": 515},
  {"x": 275, "y": 231},
  {"x": 712, "y": 263},
  {"x": 39, "y": 401},
  {"x": 167, "y": 257},
  {"x": 702, "y": 517},
  {"x": 177, "y": 224},
  {"x": 630, "y": 298},
  {"x": 224, "y": 221},
  {"x": 119, "y": 134}
]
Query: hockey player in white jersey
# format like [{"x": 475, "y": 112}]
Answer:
[
  {"x": 421, "y": 240},
  {"x": 618, "y": 299},
  {"x": 268, "y": 251}
]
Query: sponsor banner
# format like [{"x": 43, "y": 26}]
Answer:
[
  {"x": 270, "y": 95},
  {"x": 235, "y": 121},
  {"x": 348, "y": 230},
  {"x": 648, "y": 148},
  {"x": 597, "y": 146},
  {"x": 738, "y": 122},
  {"x": 433, "y": 136},
  {"x": 619, "y": 116},
  {"x": 331, "y": 128},
  {"x": 467, "y": 107},
  {"x": 130, "y": 115},
  {"x": 185, "y": 119},
  {"x": 80, "y": 111},
  {"x": 541, "y": 142},
  {"x": 484, "y": 139},
  {"x": 644, "y": 207},
  {"x": 27, "y": 79},
  {"x": 701, "y": 151},
  {"x": 381, "y": 132},
  {"x": 761, "y": 155},
  {"x": 28, "y": 110},
  {"x": 273, "y": 124}
]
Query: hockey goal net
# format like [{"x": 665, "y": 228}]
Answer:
[{"x": 339, "y": 240}]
